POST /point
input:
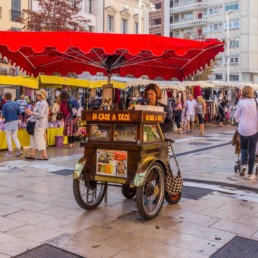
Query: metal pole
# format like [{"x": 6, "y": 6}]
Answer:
[
  {"x": 227, "y": 46},
  {"x": 140, "y": 17}
]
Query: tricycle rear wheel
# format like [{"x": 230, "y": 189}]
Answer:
[
  {"x": 150, "y": 196},
  {"x": 128, "y": 192},
  {"x": 173, "y": 198},
  {"x": 89, "y": 193}
]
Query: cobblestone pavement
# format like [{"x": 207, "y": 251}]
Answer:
[{"x": 37, "y": 206}]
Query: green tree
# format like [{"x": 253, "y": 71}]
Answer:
[
  {"x": 54, "y": 15},
  {"x": 205, "y": 73}
]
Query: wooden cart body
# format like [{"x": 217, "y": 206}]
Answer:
[{"x": 139, "y": 148}]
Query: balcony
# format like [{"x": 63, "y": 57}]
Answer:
[
  {"x": 189, "y": 24},
  {"x": 15, "y": 15},
  {"x": 190, "y": 7}
]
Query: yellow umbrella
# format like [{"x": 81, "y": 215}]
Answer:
[{"x": 28, "y": 82}]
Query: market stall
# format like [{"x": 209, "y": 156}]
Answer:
[{"x": 141, "y": 164}]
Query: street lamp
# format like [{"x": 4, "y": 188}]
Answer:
[{"x": 228, "y": 43}]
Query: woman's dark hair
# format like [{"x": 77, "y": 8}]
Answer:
[
  {"x": 154, "y": 87},
  {"x": 64, "y": 96},
  {"x": 8, "y": 95}
]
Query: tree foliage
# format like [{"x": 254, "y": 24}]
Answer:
[
  {"x": 205, "y": 73},
  {"x": 54, "y": 15}
]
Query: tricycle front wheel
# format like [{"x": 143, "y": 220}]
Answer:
[
  {"x": 150, "y": 196},
  {"x": 89, "y": 193}
]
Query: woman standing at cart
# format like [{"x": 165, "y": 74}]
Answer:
[
  {"x": 247, "y": 117},
  {"x": 153, "y": 94},
  {"x": 67, "y": 105}
]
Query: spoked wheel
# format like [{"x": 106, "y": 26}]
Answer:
[
  {"x": 150, "y": 196},
  {"x": 173, "y": 198},
  {"x": 89, "y": 193},
  {"x": 128, "y": 192}
]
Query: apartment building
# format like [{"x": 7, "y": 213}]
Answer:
[
  {"x": 10, "y": 11},
  {"x": 234, "y": 21}
]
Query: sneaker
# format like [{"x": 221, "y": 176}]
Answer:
[
  {"x": 251, "y": 177},
  {"x": 188, "y": 132},
  {"x": 243, "y": 169},
  {"x": 18, "y": 153},
  {"x": 8, "y": 155}
]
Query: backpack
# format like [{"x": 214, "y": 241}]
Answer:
[{"x": 74, "y": 106}]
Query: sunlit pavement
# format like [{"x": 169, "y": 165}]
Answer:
[{"x": 37, "y": 206}]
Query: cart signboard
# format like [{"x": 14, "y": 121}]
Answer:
[
  {"x": 112, "y": 163},
  {"x": 124, "y": 116}
]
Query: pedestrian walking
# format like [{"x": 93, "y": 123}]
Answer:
[
  {"x": 190, "y": 107},
  {"x": 201, "y": 111},
  {"x": 40, "y": 115},
  {"x": 222, "y": 110},
  {"x": 22, "y": 103},
  {"x": 247, "y": 117},
  {"x": 10, "y": 113},
  {"x": 69, "y": 107},
  {"x": 178, "y": 115}
]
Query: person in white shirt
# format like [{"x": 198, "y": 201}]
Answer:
[
  {"x": 22, "y": 103},
  {"x": 247, "y": 117},
  {"x": 190, "y": 107}
]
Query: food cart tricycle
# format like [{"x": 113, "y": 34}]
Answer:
[{"x": 127, "y": 148}]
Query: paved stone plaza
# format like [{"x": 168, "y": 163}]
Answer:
[{"x": 37, "y": 206}]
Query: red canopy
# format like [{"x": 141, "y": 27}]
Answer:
[{"x": 64, "y": 52}]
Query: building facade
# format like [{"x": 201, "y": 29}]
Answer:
[
  {"x": 10, "y": 11},
  {"x": 234, "y": 21},
  {"x": 126, "y": 16}
]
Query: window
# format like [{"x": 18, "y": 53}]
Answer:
[
  {"x": 110, "y": 23},
  {"x": 234, "y": 42},
  {"x": 124, "y": 26},
  {"x": 232, "y": 7},
  {"x": 155, "y": 22},
  {"x": 90, "y": 6},
  {"x": 16, "y": 10},
  {"x": 158, "y": 6},
  {"x": 234, "y": 77},
  {"x": 188, "y": 1},
  {"x": 188, "y": 16},
  {"x": 176, "y": 33},
  {"x": 217, "y": 26},
  {"x": 176, "y": 18},
  {"x": 15, "y": 29},
  {"x": 219, "y": 60},
  {"x": 218, "y": 76},
  {"x": 176, "y": 2},
  {"x": 171, "y": 4},
  {"x": 234, "y": 60},
  {"x": 136, "y": 28},
  {"x": 234, "y": 24}
]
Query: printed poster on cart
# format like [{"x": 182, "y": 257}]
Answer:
[{"x": 112, "y": 163}]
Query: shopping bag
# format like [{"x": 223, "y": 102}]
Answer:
[{"x": 30, "y": 127}]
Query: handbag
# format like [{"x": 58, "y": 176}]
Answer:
[
  {"x": 30, "y": 127},
  {"x": 174, "y": 184}
]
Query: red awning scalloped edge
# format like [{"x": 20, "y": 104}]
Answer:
[{"x": 63, "y": 52}]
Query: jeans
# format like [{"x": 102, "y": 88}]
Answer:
[
  {"x": 248, "y": 148},
  {"x": 12, "y": 134}
]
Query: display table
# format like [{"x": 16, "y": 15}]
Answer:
[
  {"x": 52, "y": 133},
  {"x": 24, "y": 138}
]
